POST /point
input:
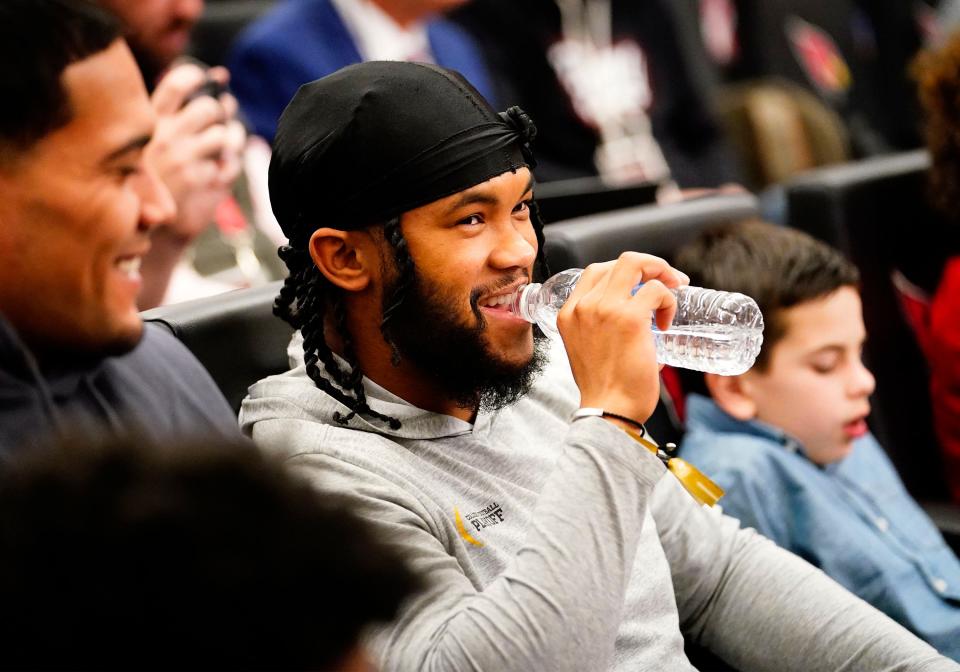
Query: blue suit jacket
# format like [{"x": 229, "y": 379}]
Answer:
[{"x": 303, "y": 40}]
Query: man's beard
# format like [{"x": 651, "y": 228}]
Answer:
[{"x": 425, "y": 330}]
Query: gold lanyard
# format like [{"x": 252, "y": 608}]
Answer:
[{"x": 700, "y": 487}]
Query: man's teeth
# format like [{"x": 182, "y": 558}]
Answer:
[
  {"x": 494, "y": 301},
  {"x": 129, "y": 266}
]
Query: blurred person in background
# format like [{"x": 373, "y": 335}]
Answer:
[
  {"x": 198, "y": 151},
  {"x": 934, "y": 295},
  {"x": 78, "y": 202},
  {"x": 806, "y": 83},
  {"x": 302, "y": 40},
  {"x": 613, "y": 91},
  {"x": 203, "y": 555}
]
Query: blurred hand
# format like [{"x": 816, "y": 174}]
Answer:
[
  {"x": 607, "y": 335},
  {"x": 196, "y": 148}
]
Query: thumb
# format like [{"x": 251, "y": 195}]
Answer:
[{"x": 175, "y": 86}]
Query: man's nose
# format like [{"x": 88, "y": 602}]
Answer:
[
  {"x": 156, "y": 202},
  {"x": 516, "y": 247}
]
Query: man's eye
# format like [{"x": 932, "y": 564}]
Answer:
[
  {"x": 472, "y": 220},
  {"x": 128, "y": 171},
  {"x": 522, "y": 206}
]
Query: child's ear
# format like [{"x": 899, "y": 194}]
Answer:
[
  {"x": 732, "y": 395},
  {"x": 344, "y": 257}
]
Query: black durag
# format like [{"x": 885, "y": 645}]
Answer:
[{"x": 376, "y": 139}]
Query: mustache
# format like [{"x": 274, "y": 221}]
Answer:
[{"x": 493, "y": 287}]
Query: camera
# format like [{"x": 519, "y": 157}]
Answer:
[{"x": 210, "y": 87}]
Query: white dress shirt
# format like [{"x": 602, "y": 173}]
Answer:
[{"x": 378, "y": 37}]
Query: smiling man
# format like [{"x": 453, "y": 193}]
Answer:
[
  {"x": 78, "y": 204},
  {"x": 548, "y": 543}
]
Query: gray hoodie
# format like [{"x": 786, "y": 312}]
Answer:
[{"x": 551, "y": 546}]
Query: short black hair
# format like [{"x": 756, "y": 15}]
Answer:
[
  {"x": 777, "y": 266},
  {"x": 38, "y": 40},
  {"x": 206, "y": 555}
]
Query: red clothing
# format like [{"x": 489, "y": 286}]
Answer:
[{"x": 937, "y": 325}]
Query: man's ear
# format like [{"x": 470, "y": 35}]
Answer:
[
  {"x": 732, "y": 394},
  {"x": 346, "y": 258}
]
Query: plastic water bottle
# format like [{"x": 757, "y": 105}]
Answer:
[{"x": 712, "y": 331}]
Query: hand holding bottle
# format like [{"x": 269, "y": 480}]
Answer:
[{"x": 606, "y": 331}]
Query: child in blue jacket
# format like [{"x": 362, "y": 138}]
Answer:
[{"x": 788, "y": 440}]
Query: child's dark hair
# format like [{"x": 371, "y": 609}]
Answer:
[
  {"x": 205, "y": 556},
  {"x": 777, "y": 266}
]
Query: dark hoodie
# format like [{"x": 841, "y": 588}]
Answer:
[{"x": 157, "y": 391}]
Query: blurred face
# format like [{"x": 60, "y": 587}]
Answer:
[
  {"x": 159, "y": 29},
  {"x": 470, "y": 250},
  {"x": 75, "y": 214},
  {"x": 815, "y": 386}
]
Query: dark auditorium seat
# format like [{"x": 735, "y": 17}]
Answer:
[
  {"x": 875, "y": 211},
  {"x": 565, "y": 199},
  {"x": 655, "y": 229},
  {"x": 234, "y": 335}
]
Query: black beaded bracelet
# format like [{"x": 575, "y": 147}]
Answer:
[
  {"x": 629, "y": 421},
  {"x": 599, "y": 412}
]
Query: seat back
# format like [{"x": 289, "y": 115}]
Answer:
[
  {"x": 780, "y": 129},
  {"x": 578, "y": 197},
  {"x": 234, "y": 335},
  {"x": 655, "y": 229},
  {"x": 875, "y": 212},
  {"x": 658, "y": 230}
]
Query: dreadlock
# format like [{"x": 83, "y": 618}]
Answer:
[
  {"x": 404, "y": 265},
  {"x": 307, "y": 295},
  {"x": 303, "y": 302},
  {"x": 448, "y": 140}
]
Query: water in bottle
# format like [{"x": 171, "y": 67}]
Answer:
[{"x": 712, "y": 331}]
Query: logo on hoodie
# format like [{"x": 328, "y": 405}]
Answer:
[{"x": 491, "y": 514}]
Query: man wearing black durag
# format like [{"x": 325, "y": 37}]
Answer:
[{"x": 548, "y": 543}]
